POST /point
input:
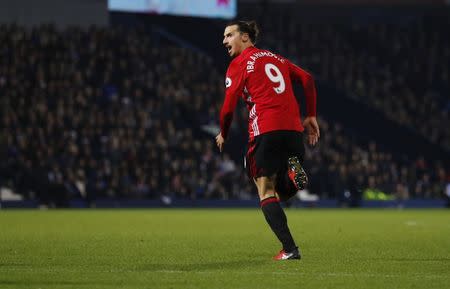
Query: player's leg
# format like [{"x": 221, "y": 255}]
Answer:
[
  {"x": 275, "y": 217},
  {"x": 268, "y": 161},
  {"x": 266, "y": 187},
  {"x": 295, "y": 151},
  {"x": 291, "y": 177},
  {"x": 284, "y": 187}
]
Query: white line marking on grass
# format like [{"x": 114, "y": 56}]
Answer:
[
  {"x": 215, "y": 272},
  {"x": 170, "y": 271},
  {"x": 310, "y": 273},
  {"x": 360, "y": 275}
]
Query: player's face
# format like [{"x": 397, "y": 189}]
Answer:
[{"x": 232, "y": 39}]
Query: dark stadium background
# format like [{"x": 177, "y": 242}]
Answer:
[{"x": 110, "y": 109}]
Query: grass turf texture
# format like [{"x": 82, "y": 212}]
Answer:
[{"x": 223, "y": 249}]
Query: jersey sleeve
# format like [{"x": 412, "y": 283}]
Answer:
[
  {"x": 234, "y": 85},
  {"x": 299, "y": 75}
]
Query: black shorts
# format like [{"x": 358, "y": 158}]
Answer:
[{"x": 268, "y": 153}]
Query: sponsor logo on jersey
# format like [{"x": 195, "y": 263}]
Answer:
[{"x": 227, "y": 82}]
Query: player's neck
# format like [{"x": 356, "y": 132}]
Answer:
[{"x": 245, "y": 46}]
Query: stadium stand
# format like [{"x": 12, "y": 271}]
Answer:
[
  {"x": 116, "y": 113},
  {"x": 401, "y": 68}
]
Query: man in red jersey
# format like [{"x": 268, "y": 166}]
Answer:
[{"x": 264, "y": 81}]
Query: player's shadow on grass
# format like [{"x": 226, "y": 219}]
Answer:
[{"x": 208, "y": 266}]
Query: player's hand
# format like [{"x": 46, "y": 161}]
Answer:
[
  {"x": 220, "y": 141},
  {"x": 312, "y": 129}
]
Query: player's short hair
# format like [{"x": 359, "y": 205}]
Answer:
[{"x": 249, "y": 27}]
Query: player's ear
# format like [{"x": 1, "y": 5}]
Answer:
[{"x": 245, "y": 37}]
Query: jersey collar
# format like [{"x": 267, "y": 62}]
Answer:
[{"x": 247, "y": 51}]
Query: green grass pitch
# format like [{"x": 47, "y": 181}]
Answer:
[{"x": 222, "y": 248}]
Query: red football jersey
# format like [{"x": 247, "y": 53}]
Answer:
[{"x": 264, "y": 81}]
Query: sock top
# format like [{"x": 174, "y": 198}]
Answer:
[{"x": 268, "y": 201}]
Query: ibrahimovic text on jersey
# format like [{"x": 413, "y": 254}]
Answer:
[{"x": 264, "y": 81}]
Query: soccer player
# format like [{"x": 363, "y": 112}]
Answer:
[{"x": 275, "y": 149}]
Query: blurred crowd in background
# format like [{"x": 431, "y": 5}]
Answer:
[
  {"x": 399, "y": 66},
  {"x": 112, "y": 113}
]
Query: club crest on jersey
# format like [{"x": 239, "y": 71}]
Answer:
[{"x": 227, "y": 82}]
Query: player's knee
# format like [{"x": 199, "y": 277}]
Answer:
[
  {"x": 266, "y": 187},
  {"x": 267, "y": 194}
]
